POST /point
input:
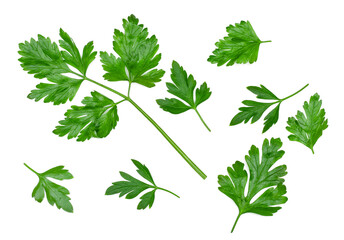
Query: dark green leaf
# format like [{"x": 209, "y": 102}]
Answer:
[
  {"x": 137, "y": 55},
  {"x": 172, "y": 105},
  {"x": 147, "y": 199},
  {"x": 95, "y": 119},
  {"x": 42, "y": 57},
  {"x": 202, "y": 94},
  {"x": 63, "y": 89},
  {"x": 143, "y": 171},
  {"x": 307, "y": 129},
  {"x": 240, "y": 46},
  {"x": 255, "y": 110},
  {"x": 114, "y": 67},
  {"x": 132, "y": 187},
  {"x": 262, "y": 92},
  {"x": 55, "y": 193},
  {"x": 262, "y": 178},
  {"x": 271, "y": 118},
  {"x": 183, "y": 87},
  {"x": 72, "y": 55}
]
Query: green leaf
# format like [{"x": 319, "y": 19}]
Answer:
[
  {"x": 143, "y": 171},
  {"x": 132, "y": 187},
  {"x": 56, "y": 194},
  {"x": 95, "y": 119},
  {"x": 42, "y": 58},
  {"x": 307, "y": 129},
  {"x": 63, "y": 89},
  {"x": 263, "y": 178},
  {"x": 137, "y": 55},
  {"x": 147, "y": 199},
  {"x": 183, "y": 87},
  {"x": 72, "y": 55},
  {"x": 240, "y": 46},
  {"x": 254, "y": 110},
  {"x": 202, "y": 94},
  {"x": 172, "y": 105}
]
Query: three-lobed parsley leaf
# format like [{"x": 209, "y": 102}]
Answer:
[
  {"x": 56, "y": 194},
  {"x": 95, "y": 119},
  {"x": 137, "y": 55},
  {"x": 183, "y": 87},
  {"x": 240, "y": 46},
  {"x": 44, "y": 59},
  {"x": 254, "y": 110},
  {"x": 262, "y": 178},
  {"x": 307, "y": 129},
  {"x": 132, "y": 187}
]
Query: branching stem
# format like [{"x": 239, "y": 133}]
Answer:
[{"x": 167, "y": 137}]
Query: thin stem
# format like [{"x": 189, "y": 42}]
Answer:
[
  {"x": 31, "y": 169},
  {"x": 200, "y": 117},
  {"x": 120, "y": 101},
  {"x": 174, "y": 145},
  {"x": 312, "y": 149},
  {"x": 294, "y": 93},
  {"x": 129, "y": 88},
  {"x": 108, "y": 88},
  {"x": 168, "y": 191},
  {"x": 265, "y": 41},
  {"x": 235, "y": 223}
]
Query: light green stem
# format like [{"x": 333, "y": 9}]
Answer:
[
  {"x": 163, "y": 189},
  {"x": 294, "y": 93},
  {"x": 31, "y": 169},
  {"x": 235, "y": 223},
  {"x": 174, "y": 145},
  {"x": 200, "y": 117},
  {"x": 265, "y": 41}
]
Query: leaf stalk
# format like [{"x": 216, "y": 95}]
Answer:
[
  {"x": 200, "y": 117},
  {"x": 167, "y": 137}
]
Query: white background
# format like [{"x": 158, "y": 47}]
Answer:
[{"x": 307, "y": 47}]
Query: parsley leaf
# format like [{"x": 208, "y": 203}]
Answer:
[
  {"x": 132, "y": 187},
  {"x": 307, "y": 129},
  {"x": 55, "y": 193},
  {"x": 183, "y": 87},
  {"x": 137, "y": 55},
  {"x": 72, "y": 55},
  {"x": 240, "y": 46},
  {"x": 44, "y": 59},
  {"x": 63, "y": 89},
  {"x": 261, "y": 179},
  {"x": 95, "y": 119},
  {"x": 255, "y": 110}
]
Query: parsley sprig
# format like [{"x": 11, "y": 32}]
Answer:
[
  {"x": 254, "y": 110},
  {"x": 132, "y": 187},
  {"x": 136, "y": 62}
]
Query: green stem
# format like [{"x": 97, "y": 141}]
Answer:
[
  {"x": 120, "y": 101},
  {"x": 129, "y": 88},
  {"x": 200, "y": 117},
  {"x": 168, "y": 191},
  {"x": 31, "y": 169},
  {"x": 108, "y": 88},
  {"x": 265, "y": 41},
  {"x": 174, "y": 145},
  {"x": 236, "y": 220},
  {"x": 294, "y": 93}
]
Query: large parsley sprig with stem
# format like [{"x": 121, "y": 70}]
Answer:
[{"x": 136, "y": 63}]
